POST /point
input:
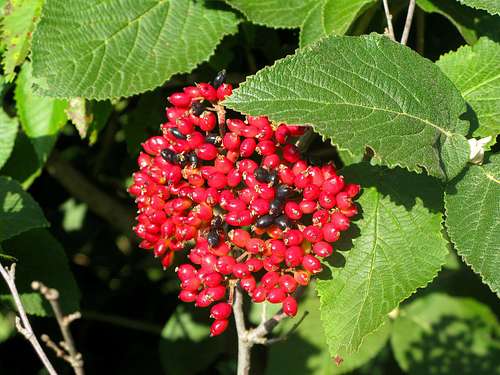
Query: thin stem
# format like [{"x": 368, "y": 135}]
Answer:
[
  {"x": 74, "y": 358},
  {"x": 409, "y": 18},
  {"x": 23, "y": 325},
  {"x": 388, "y": 16},
  {"x": 244, "y": 346}
]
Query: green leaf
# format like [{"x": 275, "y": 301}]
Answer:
[
  {"x": 305, "y": 350},
  {"x": 358, "y": 92},
  {"x": 274, "y": 13},
  {"x": 79, "y": 116},
  {"x": 33, "y": 249},
  {"x": 17, "y": 25},
  {"x": 101, "y": 111},
  {"x": 440, "y": 334},
  {"x": 19, "y": 212},
  {"x": 185, "y": 333},
  {"x": 491, "y": 6},
  {"x": 471, "y": 23},
  {"x": 331, "y": 17},
  {"x": 41, "y": 117},
  {"x": 73, "y": 215},
  {"x": 473, "y": 219},
  {"x": 397, "y": 248},
  {"x": 23, "y": 164},
  {"x": 476, "y": 73},
  {"x": 116, "y": 48},
  {"x": 7, "y": 327},
  {"x": 8, "y": 133}
]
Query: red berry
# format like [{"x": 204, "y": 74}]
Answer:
[
  {"x": 339, "y": 221},
  {"x": 270, "y": 279},
  {"x": 185, "y": 271},
  {"x": 207, "y": 91},
  {"x": 288, "y": 283},
  {"x": 224, "y": 90},
  {"x": 180, "y": 99},
  {"x": 276, "y": 295},
  {"x": 221, "y": 310},
  {"x": 333, "y": 185},
  {"x": 290, "y": 306},
  {"x": 313, "y": 233},
  {"x": 293, "y": 256},
  {"x": 259, "y": 294},
  {"x": 207, "y": 151},
  {"x": 248, "y": 284},
  {"x": 187, "y": 296},
  {"x": 330, "y": 232},
  {"x": 292, "y": 210},
  {"x": 322, "y": 249},
  {"x": 218, "y": 327},
  {"x": 240, "y": 270},
  {"x": 311, "y": 264}
]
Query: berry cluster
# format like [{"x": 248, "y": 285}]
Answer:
[{"x": 238, "y": 193}]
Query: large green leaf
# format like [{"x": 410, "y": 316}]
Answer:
[
  {"x": 188, "y": 332},
  {"x": 23, "y": 164},
  {"x": 41, "y": 257},
  {"x": 491, "y": 6},
  {"x": 397, "y": 248},
  {"x": 439, "y": 334},
  {"x": 274, "y": 13},
  {"x": 476, "y": 72},
  {"x": 331, "y": 17},
  {"x": 104, "y": 49},
  {"x": 473, "y": 219},
  {"x": 305, "y": 351},
  {"x": 8, "y": 132},
  {"x": 471, "y": 23},
  {"x": 366, "y": 92},
  {"x": 18, "y": 211},
  {"x": 41, "y": 117},
  {"x": 17, "y": 24}
]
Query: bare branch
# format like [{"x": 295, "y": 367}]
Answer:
[
  {"x": 244, "y": 346},
  {"x": 409, "y": 18},
  {"x": 74, "y": 358},
  {"x": 22, "y": 323},
  {"x": 388, "y": 16}
]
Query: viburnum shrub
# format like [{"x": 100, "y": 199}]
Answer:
[{"x": 237, "y": 196}]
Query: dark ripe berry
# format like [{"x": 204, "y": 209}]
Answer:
[
  {"x": 339, "y": 221},
  {"x": 218, "y": 327},
  {"x": 180, "y": 159},
  {"x": 264, "y": 221},
  {"x": 213, "y": 138},
  {"x": 213, "y": 238},
  {"x": 322, "y": 249},
  {"x": 282, "y": 222},
  {"x": 294, "y": 256},
  {"x": 283, "y": 192},
  {"x": 220, "y": 78},
  {"x": 221, "y": 310},
  {"x": 177, "y": 133},
  {"x": 192, "y": 160},
  {"x": 289, "y": 306},
  {"x": 273, "y": 177},
  {"x": 288, "y": 283},
  {"x": 276, "y": 207},
  {"x": 167, "y": 155},
  {"x": 311, "y": 264},
  {"x": 330, "y": 232},
  {"x": 276, "y": 295},
  {"x": 270, "y": 279},
  {"x": 187, "y": 296},
  {"x": 197, "y": 108},
  {"x": 248, "y": 284},
  {"x": 185, "y": 271},
  {"x": 261, "y": 174},
  {"x": 259, "y": 294},
  {"x": 217, "y": 222}
]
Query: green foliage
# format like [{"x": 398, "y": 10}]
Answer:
[
  {"x": 33, "y": 249},
  {"x": 446, "y": 335},
  {"x": 305, "y": 350},
  {"x": 6, "y": 327},
  {"x": 357, "y": 91},
  {"x": 8, "y": 132},
  {"x": 472, "y": 24},
  {"x": 491, "y": 6},
  {"x": 397, "y": 247},
  {"x": 135, "y": 46},
  {"x": 473, "y": 219},
  {"x": 18, "y": 211},
  {"x": 41, "y": 117},
  {"x": 274, "y": 13},
  {"x": 331, "y": 17},
  {"x": 476, "y": 73},
  {"x": 17, "y": 25},
  {"x": 184, "y": 328}
]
